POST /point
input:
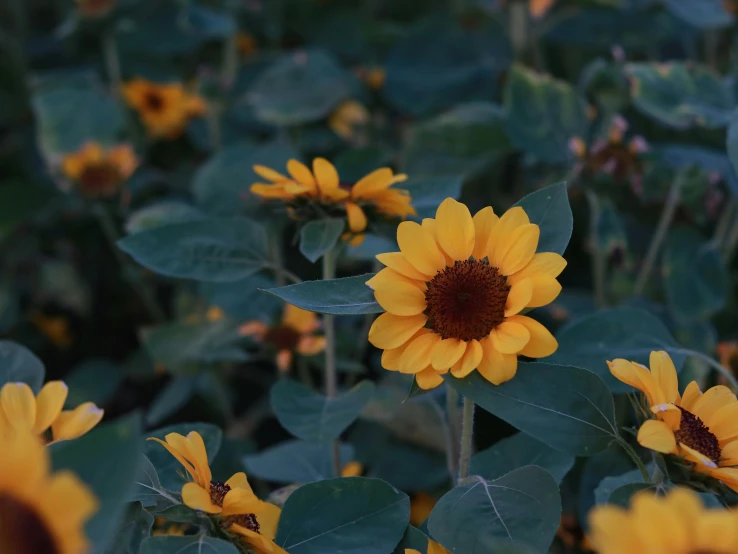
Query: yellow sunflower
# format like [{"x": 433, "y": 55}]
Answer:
[
  {"x": 165, "y": 109},
  {"x": 240, "y": 511},
  {"x": 433, "y": 548},
  {"x": 40, "y": 512},
  {"x": 21, "y": 411},
  {"x": 702, "y": 428},
  {"x": 370, "y": 195},
  {"x": 675, "y": 524},
  {"x": 347, "y": 117},
  {"x": 295, "y": 333},
  {"x": 454, "y": 293},
  {"x": 97, "y": 172}
]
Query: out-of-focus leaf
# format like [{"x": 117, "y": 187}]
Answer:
[
  {"x": 93, "y": 381},
  {"x": 132, "y": 530},
  {"x": 612, "y": 483},
  {"x": 148, "y": 489},
  {"x": 549, "y": 209},
  {"x": 243, "y": 300},
  {"x": 610, "y": 462},
  {"x": 296, "y": 461},
  {"x": 18, "y": 202},
  {"x": 318, "y": 237},
  {"x": 345, "y": 296},
  {"x": 686, "y": 156},
  {"x": 171, "y": 398},
  {"x": 161, "y": 214},
  {"x": 18, "y": 364},
  {"x": 623, "y": 494},
  {"x": 413, "y": 539},
  {"x": 703, "y": 14},
  {"x": 198, "y": 544},
  {"x": 732, "y": 148},
  {"x": 428, "y": 192}
]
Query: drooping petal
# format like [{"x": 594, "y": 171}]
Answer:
[
  {"x": 19, "y": 405},
  {"x": 484, "y": 221},
  {"x": 326, "y": 175},
  {"x": 49, "y": 404},
  {"x": 72, "y": 424},
  {"x": 397, "y": 262},
  {"x": 356, "y": 217},
  {"x": 401, "y": 299},
  {"x": 509, "y": 337},
  {"x": 419, "y": 248},
  {"x": 417, "y": 355},
  {"x": 469, "y": 361},
  {"x": 178, "y": 454},
  {"x": 636, "y": 376},
  {"x": 446, "y": 353},
  {"x": 197, "y": 498},
  {"x": 520, "y": 246},
  {"x": 390, "y": 331},
  {"x": 428, "y": 379},
  {"x": 518, "y": 297},
  {"x": 656, "y": 435},
  {"x": 542, "y": 343},
  {"x": 495, "y": 367},
  {"x": 663, "y": 370},
  {"x": 455, "y": 229}
]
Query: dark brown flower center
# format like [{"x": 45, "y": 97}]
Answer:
[
  {"x": 283, "y": 337},
  {"x": 467, "y": 300},
  {"x": 218, "y": 493},
  {"x": 22, "y": 531},
  {"x": 616, "y": 159},
  {"x": 154, "y": 101},
  {"x": 697, "y": 436},
  {"x": 100, "y": 177}
]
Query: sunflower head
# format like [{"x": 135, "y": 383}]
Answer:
[
  {"x": 677, "y": 523},
  {"x": 97, "y": 172},
  {"x": 347, "y": 117},
  {"x": 319, "y": 193},
  {"x": 701, "y": 428},
  {"x": 40, "y": 511},
  {"x": 295, "y": 333},
  {"x": 95, "y": 8},
  {"x": 454, "y": 293}
]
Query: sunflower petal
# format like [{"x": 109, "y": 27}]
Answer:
[
  {"x": 663, "y": 370},
  {"x": 49, "y": 404},
  {"x": 509, "y": 337},
  {"x": 356, "y": 217},
  {"x": 656, "y": 435},
  {"x": 325, "y": 174},
  {"x": 446, "y": 353},
  {"x": 390, "y": 331},
  {"x": 428, "y": 379},
  {"x": 484, "y": 221},
  {"x": 420, "y": 248},
  {"x": 377, "y": 180},
  {"x": 455, "y": 229},
  {"x": 417, "y": 355},
  {"x": 72, "y": 424},
  {"x": 401, "y": 299},
  {"x": 508, "y": 222},
  {"x": 469, "y": 361},
  {"x": 541, "y": 344},
  {"x": 518, "y": 297},
  {"x": 495, "y": 367},
  {"x": 514, "y": 253},
  {"x": 269, "y": 174},
  {"x": 19, "y": 405},
  {"x": 197, "y": 498},
  {"x": 547, "y": 264},
  {"x": 397, "y": 262},
  {"x": 300, "y": 173}
]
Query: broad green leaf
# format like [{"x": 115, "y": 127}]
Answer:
[
  {"x": 629, "y": 333},
  {"x": 680, "y": 95},
  {"x": 134, "y": 527},
  {"x": 221, "y": 185},
  {"x": 543, "y": 114},
  {"x": 409, "y": 468},
  {"x": 167, "y": 467},
  {"x": 171, "y": 398},
  {"x": 296, "y": 461},
  {"x": 460, "y": 141},
  {"x": 567, "y": 408},
  {"x": 610, "y": 462},
  {"x": 106, "y": 459},
  {"x": 18, "y": 202},
  {"x": 300, "y": 87},
  {"x": 244, "y": 300},
  {"x": 518, "y": 451},
  {"x": 732, "y": 148},
  {"x": 685, "y": 156},
  {"x": 523, "y": 506},
  {"x": 356, "y": 515},
  {"x": 93, "y": 381},
  {"x": 161, "y": 214},
  {"x": 199, "y": 544},
  {"x": 623, "y": 494},
  {"x": 313, "y": 417},
  {"x": 320, "y": 236},
  {"x": 147, "y": 487},
  {"x": 549, "y": 209},
  {"x": 703, "y": 14},
  {"x": 695, "y": 276},
  {"x": 414, "y": 539},
  {"x": 613, "y": 482},
  {"x": 428, "y": 192},
  {"x": 18, "y": 364},
  {"x": 181, "y": 513},
  {"x": 345, "y": 296},
  {"x": 207, "y": 250}
]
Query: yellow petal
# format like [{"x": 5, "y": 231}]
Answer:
[
  {"x": 435, "y": 548},
  {"x": 269, "y": 191},
  {"x": 269, "y": 174},
  {"x": 711, "y": 401},
  {"x": 484, "y": 221},
  {"x": 401, "y": 299},
  {"x": 691, "y": 394},
  {"x": 470, "y": 360},
  {"x": 300, "y": 320},
  {"x": 636, "y": 376},
  {"x": 728, "y": 475},
  {"x": 19, "y": 405},
  {"x": 510, "y": 220},
  {"x": 390, "y": 331},
  {"x": 547, "y": 264},
  {"x": 417, "y": 355},
  {"x": 663, "y": 370},
  {"x": 377, "y": 180},
  {"x": 356, "y": 217},
  {"x": 428, "y": 379},
  {"x": 729, "y": 454},
  {"x": 496, "y": 367},
  {"x": 268, "y": 517},
  {"x": 419, "y": 248},
  {"x": 717, "y": 531},
  {"x": 656, "y": 435},
  {"x": 400, "y": 264},
  {"x": 388, "y": 277},
  {"x": 300, "y": 173},
  {"x": 352, "y": 469},
  {"x": 518, "y": 297},
  {"x": 431, "y": 227},
  {"x": 68, "y": 500},
  {"x": 455, "y": 229},
  {"x": 661, "y": 528},
  {"x": 239, "y": 481},
  {"x": 607, "y": 524},
  {"x": 325, "y": 174},
  {"x": 240, "y": 501},
  {"x": 72, "y": 424},
  {"x": 311, "y": 345},
  {"x": 518, "y": 249},
  {"x": 541, "y": 344},
  {"x": 178, "y": 455},
  {"x": 545, "y": 291},
  {"x": 702, "y": 462},
  {"x": 509, "y": 337},
  {"x": 199, "y": 456},
  {"x": 49, "y": 404},
  {"x": 447, "y": 352},
  {"x": 198, "y": 498}
]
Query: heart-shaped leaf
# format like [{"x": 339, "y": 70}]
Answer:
[
  {"x": 318, "y": 237},
  {"x": 345, "y": 296},
  {"x": 549, "y": 209},
  {"x": 20, "y": 365},
  {"x": 296, "y": 461}
]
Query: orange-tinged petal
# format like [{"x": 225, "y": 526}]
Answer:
[
  {"x": 72, "y": 424},
  {"x": 510, "y": 220},
  {"x": 446, "y": 353},
  {"x": 49, "y": 404},
  {"x": 326, "y": 175},
  {"x": 300, "y": 173},
  {"x": 663, "y": 370},
  {"x": 269, "y": 174},
  {"x": 545, "y": 290},
  {"x": 377, "y": 180},
  {"x": 541, "y": 344},
  {"x": 197, "y": 498},
  {"x": 518, "y": 249},
  {"x": 240, "y": 501},
  {"x": 269, "y": 191},
  {"x": 300, "y": 320},
  {"x": 656, "y": 435},
  {"x": 428, "y": 379},
  {"x": 728, "y": 475},
  {"x": 711, "y": 401},
  {"x": 417, "y": 355},
  {"x": 509, "y": 337},
  {"x": 19, "y": 405},
  {"x": 636, "y": 376},
  {"x": 518, "y": 297},
  {"x": 401, "y": 299},
  {"x": 390, "y": 331},
  {"x": 549, "y": 264},
  {"x": 388, "y": 278},
  {"x": 356, "y": 217},
  {"x": 178, "y": 455},
  {"x": 469, "y": 361},
  {"x": 455, "y": 229},
  {"x": 397, "y": 262},
  {"x": 239, "y": 481},
  {"x": 419, "y": 248},
  {"x": 484, "y": 221},
  {"x": 494, "y": 366}
]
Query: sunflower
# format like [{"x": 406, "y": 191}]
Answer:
[
  {"x": 454, "y": 293},
  {"x": 373, "y": 76},
  {"x": 421, "y": 506},
  {"x": 97, "y": 172},
  {"x": 352, "y": 469},
  {"x": 675, "y": 524},
  {"x": 165, "y": 109},
  {"x": 240, "y": 511},
  {"x": 311, "y": 194},
  {"x": 40, "y": 512},
  {"x": 295, "y": 333},
  {"x": 21, "y": 411},
  {"x": 348, "y": 116},
  {"x": 702, "y": 428},
  {"x": 433, "y": 548}
]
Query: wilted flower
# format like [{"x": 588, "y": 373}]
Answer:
[
  {"x": 97, "y": 172},
  {"x": 454, "y": 293},
  {"x": 347, "y": 117}
]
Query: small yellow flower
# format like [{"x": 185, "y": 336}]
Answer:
[
  {"x": 95, "y": 8},
  {"x": 454, "y": 293},
  {"x": 433, "y": 548},
  {"x": 352, "y": 469},
  {"x": 241, "y": 511},
  {"x": 702, "y": 428},
  {"x": 20, "y": 411},
  {"x": 421, "y": 505},
  {"x": 40, "y": 511},
  {"x": 97, "y": 172},
  {"x": 54, "y": 328},
  {"x": 675, "y": 524},
  {"x": 347, "y": 117},
  {"x": 164, "y": 527},
  {"x": 296, "y": 333},
  {"x": 165, "y": 109}
]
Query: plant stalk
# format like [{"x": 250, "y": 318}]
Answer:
[
  {"x": 329, "y": 326},
  {"x": 636, "y": 460},
  {"x": 452, "y": 434},
  {"x": 467, "y": 436},
  {"x": 598, "y": 255},
  {"x": 112, "y": 63}
]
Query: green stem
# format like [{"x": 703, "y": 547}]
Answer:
[
  {"x": 329, "y": 326},
  {"x": 275, "y": 251},
  {"x": 731, "y": 242},
  {"x": 721, "y": 229},
  {"x": 636, "y": 460},
  {"x": 709, "y": 361},
  {"x": 598, "y": 254},
  {"x": 112, "y": 62},
  {"x": 518, "y": 26},
  {"x": 452, "y": 434},
  {"x": 467, "y": 435}
]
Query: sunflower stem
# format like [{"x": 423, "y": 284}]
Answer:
[
  {"x": 452, "y": 432},
  {"x": 329, "y": 325},
  {"x": 598, "y": 254},
  {"x": 721, "y": 229},
  {"x": 667, "y": 215},
  {"x": 112, "y": 62},
  {"x": 467, "y": 435},
  {"x": 636, "y": 460}
]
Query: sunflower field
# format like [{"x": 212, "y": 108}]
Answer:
[{"x": 368, "y": 276}]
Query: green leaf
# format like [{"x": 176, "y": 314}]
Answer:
[
  {"x": 133, "y": 529},
  {"x": 695, "y": 276},
  {"x": 345, "y": 296},
  {"x": 161, "y": 214},
  {"x": 20, "y": 365},
  {"x": 543, "y": 114},
  {"x": 18, "y": 202},
  {"x": 207, "y": 250},
  {"x": 320, "y": 236},
  {"x": 518, "y": 451},
  {"x": 521, "y": 507},
  {"x": 549, "y": 209},
  {"x": 414, "y": 539},
  {"x": 199, "y": 544},
  {"x": 167, "y": 467},
  {"x": 703, "y": 14},
  {"x": 147, "y": 488},
  {"x": 171, "y": 398},
  {"x": 613, "y": 482},
  {"x": 567, "y": 408},
  {"x": 313, "y": 417},
  {"x": 93, "y": 381},
  {"x": 680, "y": 95},
  {"x": 221, "y": 185},
  {"x": 610, "y": 462},
  {"x": 356, "y": 515},
  {"x": 731, "y": 146},
  {"x": 622, "y": 495},
  {"x": 182, "y": 514},
  {"x": 244, "y": 300},
  {"x": 629, "y": 333},
  {"x": 428, "y": 192},
  {"x": 300, "y": 87},
  {"x": 106, "y": 459},
  {"x": 296, "y": 461}
]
